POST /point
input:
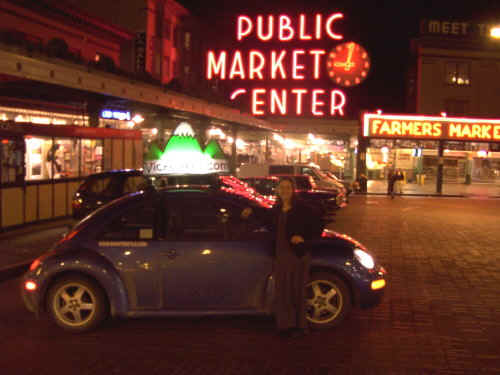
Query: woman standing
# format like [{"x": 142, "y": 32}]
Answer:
[{"x": 295, "y": 223}]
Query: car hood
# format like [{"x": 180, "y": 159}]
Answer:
[{"x": 334, "y": 235}]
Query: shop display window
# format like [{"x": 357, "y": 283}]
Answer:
[
  {"x": 92, "y": 151},
  {"x": 65, "y": 156},
  {"x": 11, "y": 161},
  {"x": 38, "y": 158}
]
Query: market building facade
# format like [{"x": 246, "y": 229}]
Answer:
[{"x": 452, "y": 79}]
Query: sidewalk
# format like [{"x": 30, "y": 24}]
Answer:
[
  {"x": 476, "y": 189},
  {"x": 19, "y": 247}
]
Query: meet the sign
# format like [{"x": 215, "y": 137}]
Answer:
[
  {"x": 429, "y": 127},
  {"x": 457, "y": 29}
]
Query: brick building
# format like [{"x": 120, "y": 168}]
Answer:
[{"x": 455, "y": 66}]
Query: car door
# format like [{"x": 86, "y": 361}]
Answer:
[
  {"x": 216, "y": 262},
  {"x": 130, "y": 243}
]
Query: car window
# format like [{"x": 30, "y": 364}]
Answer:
[
  {"x": 195, "y": 219},
  {"x": 136, "y": 223},
  {"x": 135, "y": 183},
  {"x": 280, "y": 169},
  {"x": 205, "y": 218},
  {"x": 97, "y": 185}
]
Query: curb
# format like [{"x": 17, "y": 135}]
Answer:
[
  {"x": 424, "y": 195},
  {"x": 13, "y": 271},
  {"x": 37, "y": 227}
]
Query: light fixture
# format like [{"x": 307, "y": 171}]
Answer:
[
  {"x": 138, "y": 119},
  {"x": 495, "y": 32}
]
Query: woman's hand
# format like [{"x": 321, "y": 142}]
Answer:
[
  {"x": 296, "y": 239},
  {"x": 246, "y": 213}
]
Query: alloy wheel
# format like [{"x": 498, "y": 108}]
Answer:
[
  {"x": 325, "y": 303},
  {"x": 74, "y": 304}
]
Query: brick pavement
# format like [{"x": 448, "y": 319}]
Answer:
[
  {"x": 440, "y": 314},
  {"x": 442, "y": 302}
]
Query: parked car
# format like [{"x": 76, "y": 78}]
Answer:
[
  {"x": 307, "y": 183},
  {"x": 326, "y": 200},
  {"x": 266, "y": 169},
  {"x": 101, "y": 188},
  {"x": 174, "y": 252},
  {"x": 347, "y": 185}
]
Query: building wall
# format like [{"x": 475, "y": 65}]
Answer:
[
  {"x": 454, "y": 69},
  {"x": 478, "y": 98},
  {"x": 160, "y": 20},
  {"x": 164, "y": 20},
  {"x": 41, "y": 28}
]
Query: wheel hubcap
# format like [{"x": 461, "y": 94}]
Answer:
[
  {"x": 74, "y": 304},
  {"x": 325, "y": 301}
]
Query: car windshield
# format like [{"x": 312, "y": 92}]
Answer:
[{"x": 265, "y": 186}]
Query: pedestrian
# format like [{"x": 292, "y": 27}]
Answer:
[
  {"x": 390, "y": 182},
  {"x": 295, "y": 224},
  {"x": 398, "y": 178}
]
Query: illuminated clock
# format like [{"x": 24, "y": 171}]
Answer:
[{"x": 348, "y": 64}]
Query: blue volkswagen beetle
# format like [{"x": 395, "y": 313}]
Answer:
[{"x": 184, "y": 252}]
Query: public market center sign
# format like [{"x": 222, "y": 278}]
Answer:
[
  {"x": 273, "y": 63},
  {"x": 430, "y": 127}
]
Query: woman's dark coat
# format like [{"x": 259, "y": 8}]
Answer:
[{"x": 302, "y": 220}]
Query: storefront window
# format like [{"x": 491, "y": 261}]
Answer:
[
  {"x": 65, "y": 155},
  {"x": 38, "y": 158},
  {"x": 91, "y": 156},
  {"x": 11, "y": 159}
]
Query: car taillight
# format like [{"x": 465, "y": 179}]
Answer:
[
  {"x": 35, "y": 264},
  {"x": 30, "y": 285}
]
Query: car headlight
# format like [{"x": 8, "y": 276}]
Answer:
[{"x": 364, "y": 258}]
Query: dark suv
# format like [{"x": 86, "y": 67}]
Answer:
[{"x": 101, "y": 188}]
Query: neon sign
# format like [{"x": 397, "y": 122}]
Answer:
[
  {"x": 183, "y": 155},
  {"x": 431, "y": 127},
  {"x": 290, "y": 65},
  {"x": 115, "y": 115}
]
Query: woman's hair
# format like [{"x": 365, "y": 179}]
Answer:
[{"x": 294, "y": 197}]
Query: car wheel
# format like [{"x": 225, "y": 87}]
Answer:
[
  {"x": 328, "y": 300},
  {"x": 77, "y": 304}
]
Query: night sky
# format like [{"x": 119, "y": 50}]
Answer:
[{"x": 383, "y": 27}]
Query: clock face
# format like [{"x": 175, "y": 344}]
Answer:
[{"x": 348, "y": 64}]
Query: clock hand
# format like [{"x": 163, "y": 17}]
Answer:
[{"x": 349, "y": 64}]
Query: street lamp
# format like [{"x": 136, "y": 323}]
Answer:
[{"x": 495, "y": 32}]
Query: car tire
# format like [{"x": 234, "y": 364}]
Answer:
[
  {"x": 328, "y": 300},
  {"x": 77, "y": 304}
]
